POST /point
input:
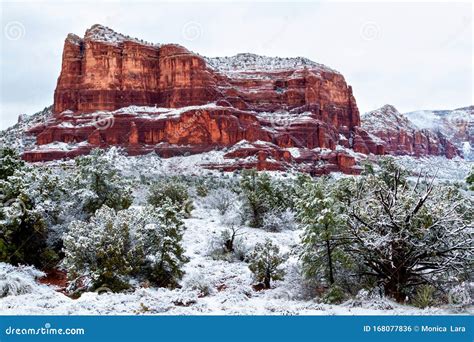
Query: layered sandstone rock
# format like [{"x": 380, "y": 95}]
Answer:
[
  {"x": 115, "y": 90},
  {"x": 399, "y": 136}
]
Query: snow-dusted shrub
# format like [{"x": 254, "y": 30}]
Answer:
[
  {"x": 391, "y": 217},
  {"x": 460, "y": 294},
  {"x": 424, "y": 296},
  {"x": 277, "y": 221},
  {"x": 195, "y": 281},
  {"x": 228, "y": 245},
  {"x": 99, "y": 248},
  {"x": 170, "y": 190},
  {"x": 18, "y": 280},
  {"x": 156, "y": 244},
  {"x": 23, "y": 228},
  {"x": 265, "y": 263},
  {"x": 97, "y": 181},
  {"x": 334, "y": 295},
  {"x": 221, "y": 199},
  {"x": 142, "y": 242},
  {"x": 261, "y": 195}
]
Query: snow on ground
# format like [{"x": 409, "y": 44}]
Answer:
[
  {"x": 442, "y": 168},
  {"x": 228, "y": 285}
]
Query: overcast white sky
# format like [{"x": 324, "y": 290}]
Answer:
[{"x": 412, "y": 55}]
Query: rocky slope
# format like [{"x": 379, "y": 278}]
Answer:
[
  {"x": 400, "y": 136},
  {"x": 457, "y": 125},
  {"x": 115, "y": 90}
]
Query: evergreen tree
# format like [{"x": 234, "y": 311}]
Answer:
[
  {"x": 470, "y": 180},
  {"x": 256, "y": 189},
  {"x": 324, "y": 222},
  {"x": 172, "y": 191},
  {"x": 99, "y": 249},
  {"x": 98, "y": 182},
  {"x": 408, "y": 235},
  {"x": 265, "y": 263},
  {"x": 9, "y": 162},
  {"x": 23, "y": 229},
  {"x": 157, "y": 246}
]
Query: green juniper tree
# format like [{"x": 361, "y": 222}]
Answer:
[{"x": 265, "y": 262}]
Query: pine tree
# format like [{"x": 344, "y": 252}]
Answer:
[
  {"x": 172, "y": 191},
  {"x": 99, "y": 248},
  {"x": 324, "y": 222},
  {"x": 265, "y": 262},
  {"x": 9, "y": 162},
  {"x": 97, "y": 182},
  {"x": 157, "y": 249},
  {"x": 257, "y": 191}
]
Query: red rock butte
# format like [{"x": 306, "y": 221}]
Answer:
[{"x": 269, "y": 113}]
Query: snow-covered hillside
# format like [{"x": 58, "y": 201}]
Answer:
[
  {"x": 15, "y": 137},
  {"x": 456, "y": 124},
  {"x": 209, "y": 287}
]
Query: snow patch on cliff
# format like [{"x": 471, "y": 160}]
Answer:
[{"x": 253, "y": 62}]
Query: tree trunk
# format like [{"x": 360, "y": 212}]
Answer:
[
  {"x": 266, "y": 280},
  {"x": 331, "y": 271}
]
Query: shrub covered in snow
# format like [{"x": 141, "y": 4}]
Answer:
[
  {"x": 391, "y": 217},
  {"x": 277, "y": 221},
  {"x": 97, "y": 182},
  {"x": 265, "y": 263},
  {"x": 221, "y": 199},
  {"x": 142, "y": 242},
  {"x": 196, "y": 282},
  {"x": 18, "y": 280},
  {"x": 228, "y": 245},
  {"x": 171, "y": 190},
  {"x": 262, "y": 195}
]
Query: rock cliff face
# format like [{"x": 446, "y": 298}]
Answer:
[
  {"x": 115, "y": 90},
  {"x": 400, "y": 136},
  {"x": 456, "y": 124}
]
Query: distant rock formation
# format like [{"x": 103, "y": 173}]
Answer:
[
  {"x": 400, "y": 136},
  {"x": 267, "y": 112}
]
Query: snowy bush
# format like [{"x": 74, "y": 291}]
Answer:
[
  {"x": 195, "y": 281},
  {"x": 157, "y": 252},
  {"x": 142, "y": 242},
  {"x": 265, "y": 262},
  {"x": 261, "y": 195},
  {"x": 277, "y": 221},
  {"x": 228, "y": 245},
  {"x": 97, "y": 182},
  {"x": 170, "y": 190},
  {"x": 460, "y": 294},
  {"x": 390, "y": 218},
  {"x": 18, "y": 280},
  {"x": 221, "y": 199},
  {"x": 99, "y": 248}
]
